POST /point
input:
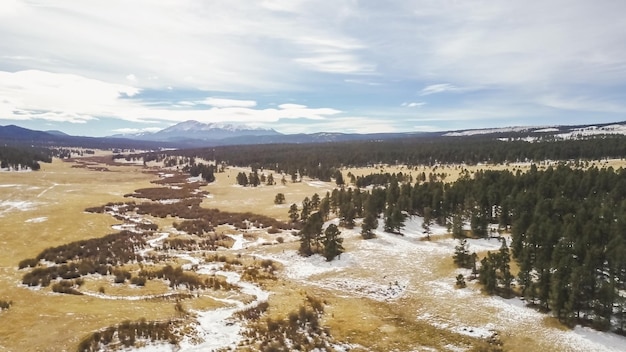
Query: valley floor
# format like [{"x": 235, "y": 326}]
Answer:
[{"x": 393, "y": 292}]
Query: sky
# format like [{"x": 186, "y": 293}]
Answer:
[{"x": 98, "y": 68}]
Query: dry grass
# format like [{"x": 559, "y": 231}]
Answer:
[
  {"x": 226, "y": 195},
  {"x": 61, "y": 193}
]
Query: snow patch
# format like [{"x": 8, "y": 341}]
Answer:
[
  {"x": 369, "y": 289},
  {"x": 169, "y": 201},
  {"x": 7, "y": 206},
  {"x": 298, "y": 267},
  {"x": 37, "y": 220}
]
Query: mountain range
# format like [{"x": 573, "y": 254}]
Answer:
[
  {"x": 194, "y": 134},
  {"x": 194, "y": 130}
]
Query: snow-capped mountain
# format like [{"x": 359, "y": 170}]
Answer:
[
  {"x": 556, "y": 132},
  {"x": 194, "y": 130}
]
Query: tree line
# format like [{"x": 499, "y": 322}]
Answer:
[
  {"x": 16, "y": 158},
  {"x": 322, "y": 161}
]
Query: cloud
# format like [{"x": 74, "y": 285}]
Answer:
[
  {"x": 35, "y": 94},
  {"x": 413, "y": 104},
  {"x": 291, "y": 106},
  {"x": 28, "y": 95},
  {"x": 438, "y": 88},
  {"x": 226, "y": 103},
  {"x": 78, "y": 61}
]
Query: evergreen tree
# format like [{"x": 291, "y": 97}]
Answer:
[
  {"x": 242, "y": 179},
  {"x": 394, "y": 220},
  {"x": 293, "y": 213},
  {"x": 279, "y": 199},
  {"x": 270, "y": 180},
  {"x": 457, "y": 226},
  {"x": 370, "y": 223},
  {"x": 338, "y": 176},
  {"x": 324, "y": 207},
  {"x": 487, "y": 273},
  {"x": 506, "y": 278},
  {"x": 315, "y": 201},
  {"x": 332, "y": 242},
  {"x": 462, "y": 256},
  {"x": 310, "y": 235},
  {"x": 347, "y": 214},
  {"x": 306, "y": 209},
  {"x": 428, "y": 221},
  {"x": 478, "y": 223}
]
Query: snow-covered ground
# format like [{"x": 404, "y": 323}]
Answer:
[
  {"x": 385, "y": 269},
  {"x": 392, "y": 266},
  {"x": 7, "y": 206},
  {"x": 37, "y": 220}
]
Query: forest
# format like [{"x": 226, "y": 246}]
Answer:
[
  {"x": 567, "y": 225},
  {"x": 16, "y": 158},
  {"x": 321, "y": 161}
]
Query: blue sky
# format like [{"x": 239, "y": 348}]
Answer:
[{"x": 99, "y": 68}]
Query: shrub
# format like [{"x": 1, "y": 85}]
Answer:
[
  {"x": 5, "y": 304},
  {"x": 138, "y": 281}
]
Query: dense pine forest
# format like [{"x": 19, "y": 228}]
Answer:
[
  {"x": 17, "y": 158},
  {"x": 567, "y": 225},
  {"x": 322, "y": 160}
]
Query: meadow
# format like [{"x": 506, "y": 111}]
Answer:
[{"x": 389, "y": 293}]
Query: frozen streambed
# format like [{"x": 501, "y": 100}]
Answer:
[{"x": 217, "y": 328}]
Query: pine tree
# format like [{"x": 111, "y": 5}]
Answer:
[
  {"x": 347, "y": 214},
  {"x": 293, "y": 213},
  {"x": 457, "y": 226},
  {"x": 339, "y": 178},
  {"x": 270, "y": 180},
  {"x": 306, "y": 209},
  {"x": 332, "y": 242},
  {"x": 242, "y": 179},
  {"x": 310, "y": 235},
  {"x": 370, "y": 223},
  {"x": 428, "y": 221},
  {"x": 505, "y": 278},
  {"x": 487, "y": 273},
  {"x": 315, "y": 202},
  {"x": 279, "y": 199},
  {"x": 394, "y": 220},
  {"x": 462, "y": 257}
]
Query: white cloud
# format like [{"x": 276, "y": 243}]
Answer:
[
  {"x": 59, "y": 97},
  {"x": 413, "y": 104},
  {"x": 28, "y": 95},
  {"x": 227, "y": 103},
  {"x": 582, "y": 103},
  {"x": 219, "y": 46},
  {"x": 291, "y": 106},
  {"x": 438, "y": 88},
  {"x": 64, "y": 60}
]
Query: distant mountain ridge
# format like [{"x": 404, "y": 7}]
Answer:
[
  {"x": 194, "y": 130},
  {"x": 194, "y": 134}
]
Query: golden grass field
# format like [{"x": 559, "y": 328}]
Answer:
[{"x": 57, "y": 195}]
